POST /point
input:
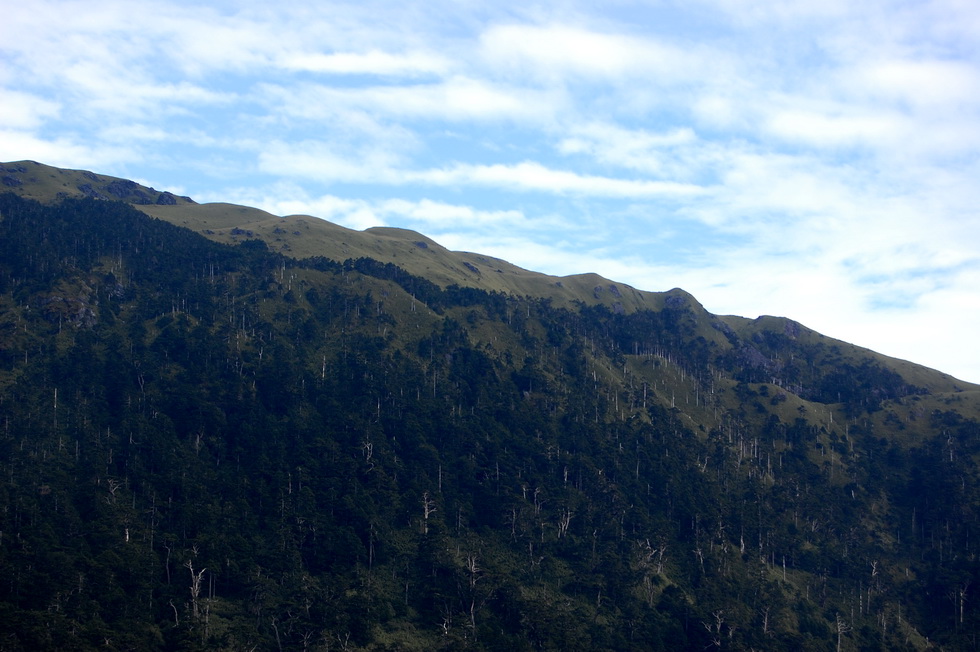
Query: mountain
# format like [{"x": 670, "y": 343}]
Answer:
[{"x": 224, "y": 429}]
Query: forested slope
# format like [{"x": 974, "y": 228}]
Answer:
[{"x": 217, "y": 447}]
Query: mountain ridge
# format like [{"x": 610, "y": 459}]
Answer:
[
  {"x": 301, "y": 236},
  {"x": 305, "y": 236}
]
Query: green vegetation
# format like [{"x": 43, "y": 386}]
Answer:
[{"x": 207, "y": 446}]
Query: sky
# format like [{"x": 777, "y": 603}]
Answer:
[{"x": 814, "y": 159}]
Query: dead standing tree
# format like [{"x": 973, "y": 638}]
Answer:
[
  {"x": 195, "y": 587},
  {"x": 841, "y": 628},
  {"x": 428, "y": 509}
]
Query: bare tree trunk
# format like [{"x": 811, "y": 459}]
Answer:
[{"x": 195, "y": 587}]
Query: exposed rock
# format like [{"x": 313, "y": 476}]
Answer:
[
  {"x": 675, "y": 302},
  {"x": 166, "y": 199},
  {"x": 77, "y": 311},
  {"x": 128, "y": 191},
  {"x": 89, "y": 191},
  {"x": 752, "y": 357},
  {"x": 615, "y": 291},
  {"x": 13, "y": 182},
  {"x": 422, "y": 245},
  {"x": 473, "y": 268},
  {"x": 122, "y": 188},
  {"x": 724, "y": 328}
]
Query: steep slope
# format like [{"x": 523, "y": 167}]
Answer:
[
  {"x": 303, "y": 236},
  {"x": 47, "y": 184},
  {"x": 224, "y": 447}
]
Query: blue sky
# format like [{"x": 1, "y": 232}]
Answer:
[{"x": 816, "y": 159}]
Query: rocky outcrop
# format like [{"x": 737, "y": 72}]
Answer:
[{"x": 78, "y": 310}]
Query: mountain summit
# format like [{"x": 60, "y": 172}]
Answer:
[{"x": 225, "y": 429}]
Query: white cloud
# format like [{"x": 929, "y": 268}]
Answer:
[
  {"x": 556, "y": 52},
  {"x": 331, "y": 162},
  {"x": 749, "y": 12},
  {"x": 532, "y": 176},
  {"x": 440, "y": 215},
  {"x": 319, "y": 161},
  {"x": 373, "y": 62},
  {"x": 62, "y": 152},
  {"x": 849, "y": 129},
  {"x": 19, "y": 110},
  {"x": 717, "y": 110},
  {"x": 457, "y": 98},
  {"x": 667, "y": 153},
  {"x": 925, "y": 84}
]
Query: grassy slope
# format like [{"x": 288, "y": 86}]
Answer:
[
  {"x": 47, "y": 184},
  {"x": 303, "y": 236}
]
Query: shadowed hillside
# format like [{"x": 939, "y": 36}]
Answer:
[{"x": 219, "y": 434}]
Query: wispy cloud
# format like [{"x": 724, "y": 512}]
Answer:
[
  {"x": 19, "y": 110},
  {"x": 17, "y": 145},
  {"x": 532, "y": 176},
  {"x": 563, "y": 53},
  {"x": 373, "y": 62},
  {"x": 378, "y": 166},
  {"x": 458, "y": 99}
]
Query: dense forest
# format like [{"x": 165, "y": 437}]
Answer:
[{"x": 206, "y": 446}]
